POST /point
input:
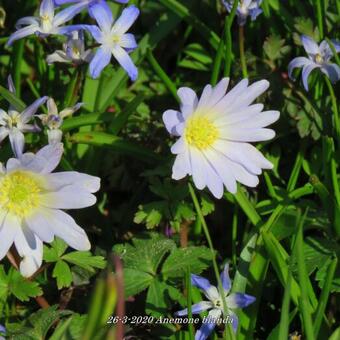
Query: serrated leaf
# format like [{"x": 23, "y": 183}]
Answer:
[
  {"x": 198, "y": 258},
  {"x": 17, "y": 285},
  {"x": 85, "y": 259},
  {"x": 62, "y": 273},
  {"x": 57, "y": 249},
  {"x": 156, "y": 299},
  {"x": 135, "y": 281},
  {"x": 146, "y": 252}
]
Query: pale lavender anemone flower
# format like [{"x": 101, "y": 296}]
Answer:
[
  {"x": 245, "y": 8},
  {"x": 113, "y": 40},
  {"x": 318, "y": 57},
  {"x": 215, "y": 303},
  {"x": 14, "y": 124},
  {"x": 31, "y": 203},
  {"x": 47, "y": 23},
  {"x": 214, "y": 135}
]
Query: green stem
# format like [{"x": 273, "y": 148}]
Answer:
[
  {"x": 229, "y": 41},
  {"x": 164, "y": 77},
  {"x": 336, "y": 125},
  {"x": 219, "y": 55},
  {"x": 324, "y": 296},
  {"x": 319, "y": 17},
  {"x": 242, "y": 54},
  {"x": 303, "y": 278},
  {"x": 211, "y": 247}
]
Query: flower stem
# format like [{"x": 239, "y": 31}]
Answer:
[
  {"x": 335, "y": 110},
  {"x": 242, "y": 55},
  {"x": 229, "y": 43},
  {"x": 319, "y": 16},
  {"x": 213, "y": 253}
]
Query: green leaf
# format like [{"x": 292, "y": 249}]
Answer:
[
  {"x": 157, "y": 299},
  {"x": 14, "y": 283},
  {"x": 85, "y": 259},
  {"x": 146, "y": 252},
  {"x": 53, "y": 253},
  {"x": 116, "y": 144},
  {"x": 62, "y": 273},
  {"x": 135, "y": 281},
  {"x": 198, "y": 258},
  {"x": 12, "y": 99},
  {"x": 275, "y": 48}
]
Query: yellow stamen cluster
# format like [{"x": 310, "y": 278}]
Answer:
[
  {"x": 200, "y": 132},
  {"x": 19, "y": 193},
  {"x": 318, "y": 59}
]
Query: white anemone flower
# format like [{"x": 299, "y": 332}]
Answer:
[
  {"x": 31, "y": 203},
  {"x": 214, "y": 135},
  {"x": 53, "y": 120}
]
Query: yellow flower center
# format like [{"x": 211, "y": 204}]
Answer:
[
  {"x": 19, "y": 193},
  {"x": 200, "y": 132},
  {"x": 318, "y": 58},
  {"x": 116, "y": 39}
]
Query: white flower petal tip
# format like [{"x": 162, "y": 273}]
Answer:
[
  {"x": 215, "y": 134},
  {"x": 35, "y": 216}
]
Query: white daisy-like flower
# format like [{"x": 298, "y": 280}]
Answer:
[
  {"x": 31, "y": 203},
  {"x": 215, "y": 132}
]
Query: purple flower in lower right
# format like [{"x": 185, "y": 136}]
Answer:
[{"x": 215, "y": 303}]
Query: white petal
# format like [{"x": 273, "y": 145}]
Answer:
[
  {"x": 30, "y": 248},
  {"x": 54, "y": 136},
  {"x": 51, "y": 154},
  {"x": 8, "y": 230},
  {"x": 69, "y": 197},
  {"x": 188, "y": 99},
  {"x": 182, "y": 166},
  {"x": 171, "y": 119},
  {"x": 247, "y": 135},
  {"x": 259, "y": 120},
  {"x": 198, "y": 168},
  {"x": 223, "y": 169},
  {"x": 56, "y": 181},
  {"x": 218, "y": 91},
  {"x": 64, "y": 226},
  {"x": 203, "y": 103},
  {"x": 228, "y": 117},
  {"x": 52, "y": 107},
  {"x": 179, "y": 147},
  {"x": 41, "y": 226}
]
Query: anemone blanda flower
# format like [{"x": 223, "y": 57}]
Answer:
[
  {"x": 113, "y": 40},
  {"x": 318, "y": 57},
  {"x": 215, "y": 303},
  {"x": 14, "y": 124},
  {"x": 73, "y": 51},
  {"x": 245, "y": 8},
  {"x": 31, "y": 203},
  {"x": 214, "y": 134},
  {"x": 54, "y": 119},
  {"x": 47, "y": 23}
]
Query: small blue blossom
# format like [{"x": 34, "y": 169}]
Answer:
[
  {"x": 215, "y": 303},
  {"x": 2, "y": 332},
  {"x": 89, "y": 4},
  {"x": 245, "y": 8},
  {"x": 113, "y": 40},
  {"x": 318, "y": 57},
  {"x": 73, "y": 51},
  {"x": 14, "y": 124},
  {"x": 46, "y": 23}
]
